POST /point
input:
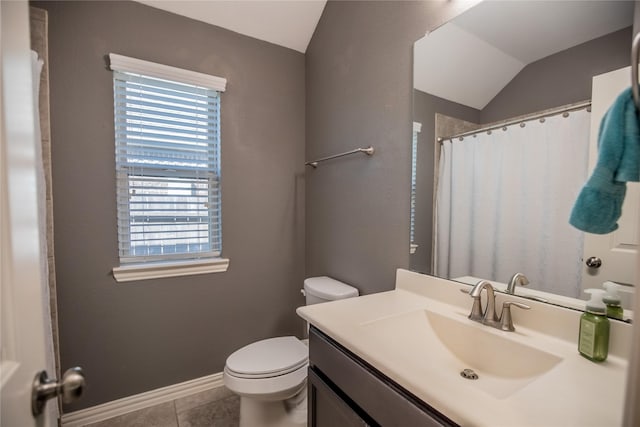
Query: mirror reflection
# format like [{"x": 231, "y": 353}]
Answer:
[{"x": 508, "y": 98}]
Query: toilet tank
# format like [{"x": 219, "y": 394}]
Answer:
[{"x": 324, "y": 288}]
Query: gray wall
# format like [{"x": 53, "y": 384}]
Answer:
[
  {"x": 425, "y": 107},
  {"x": 560, "y": 79},
  {"x": 359, "y": 92},
  {"x": 133, "y": 337}
]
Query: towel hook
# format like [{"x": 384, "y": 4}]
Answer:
[{"x": 635, "y": 52}]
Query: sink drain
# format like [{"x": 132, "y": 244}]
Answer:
[{"x": 469, "y": 374}]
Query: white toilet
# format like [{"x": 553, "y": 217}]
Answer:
[{"x": 270, "y": 376}]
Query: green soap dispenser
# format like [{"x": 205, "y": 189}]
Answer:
[
  {"x": 612, "y": 301},
  {"x": 593, "y": 341}
]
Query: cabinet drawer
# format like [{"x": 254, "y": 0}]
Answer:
[{"x": 384, "y": 401}]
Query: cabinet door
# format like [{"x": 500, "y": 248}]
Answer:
[{"x": 327, "y": 409}]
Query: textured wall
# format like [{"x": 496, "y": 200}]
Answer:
[
  {"x": 359, "y": 92},
  {"x": 138, "y": 336},
  {"x": 560, "y": 79}
]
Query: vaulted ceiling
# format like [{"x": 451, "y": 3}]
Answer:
[{"x": 286, "y": 23}]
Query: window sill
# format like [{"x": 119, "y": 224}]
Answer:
[{"x": 131, "y": 272}]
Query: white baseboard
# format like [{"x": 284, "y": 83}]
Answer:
[{"x": 128, "y": 404}]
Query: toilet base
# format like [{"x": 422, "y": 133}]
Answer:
[{"x": 283, "y": 413}]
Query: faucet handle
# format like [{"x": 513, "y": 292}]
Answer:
[{"x": 506, "y": 321}]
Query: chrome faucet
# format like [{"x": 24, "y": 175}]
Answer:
[
  {"x": 517, "y": 279},
  {"x": 489, "y": 316}
]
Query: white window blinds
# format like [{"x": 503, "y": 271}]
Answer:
[
  {"x": 414, "y": 162},
  {"x": 167, "y": 138}
]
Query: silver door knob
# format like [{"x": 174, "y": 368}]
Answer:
[
  {"x": 593, "y": 262},
  {"x": 45, "y": 388}
]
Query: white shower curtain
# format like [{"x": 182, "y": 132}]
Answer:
[{"x": 504, "y": 199}]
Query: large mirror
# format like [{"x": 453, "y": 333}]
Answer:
[{"x": 508, "y": 97}]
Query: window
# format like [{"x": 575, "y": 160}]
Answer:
[
  {"x": 414, "y": 161},
  {"x": 167, "y": 145}
]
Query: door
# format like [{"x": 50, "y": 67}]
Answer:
[
  {"x": 617, "y": 251},
  {"x": 22, "y": 310}
]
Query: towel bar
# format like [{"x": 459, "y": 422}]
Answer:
[{"x": 368, "y": 151}]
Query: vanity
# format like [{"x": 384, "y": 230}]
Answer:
[{"x": 397, "y": 359}]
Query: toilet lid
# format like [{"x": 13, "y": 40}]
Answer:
[{"x": 267, "y": 357}]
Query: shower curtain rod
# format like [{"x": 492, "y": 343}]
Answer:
[{"x": 521, "y": 120}]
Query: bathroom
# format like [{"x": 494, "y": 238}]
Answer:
[{"x": 283, "y": 221}]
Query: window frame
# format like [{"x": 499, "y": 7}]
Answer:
[{"x": 135, "y": 267}]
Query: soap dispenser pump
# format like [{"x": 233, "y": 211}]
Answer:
[
  {"x": 593, "y": 341},
  {"x": 612, "y": 301}
]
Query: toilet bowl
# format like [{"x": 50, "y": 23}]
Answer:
[{"x": 270, "y": 375}]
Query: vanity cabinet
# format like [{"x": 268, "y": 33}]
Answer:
[{"x": 344, "y": 390}]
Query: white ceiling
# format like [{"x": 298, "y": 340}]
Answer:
[
  {"x": 288, "y": 23},
  {"x": 472, "y": 58}
]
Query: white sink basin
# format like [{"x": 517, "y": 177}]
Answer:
[{"x": 449, "y": 343}]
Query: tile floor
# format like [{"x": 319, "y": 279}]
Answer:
[{"x": 212, "y": 408}]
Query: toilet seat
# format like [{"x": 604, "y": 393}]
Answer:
[
  {"x": 271, "y": 369},
  {"x": 268, "y": 358}
]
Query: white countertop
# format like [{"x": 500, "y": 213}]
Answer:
[{"x": 575, "y": 392}]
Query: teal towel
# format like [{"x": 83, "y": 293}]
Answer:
[{"x": 599, "y": 204}]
